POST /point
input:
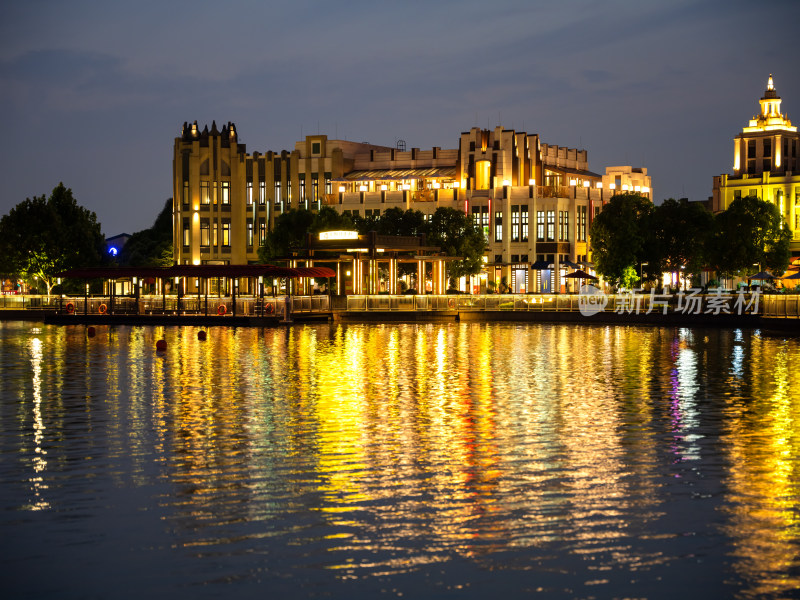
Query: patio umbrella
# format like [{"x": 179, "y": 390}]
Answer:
[
  {"x": 579, "y": 274},
  {"x": 762, "y": 276}
]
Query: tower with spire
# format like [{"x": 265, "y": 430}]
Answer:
[{"x": 766, "y": 163}]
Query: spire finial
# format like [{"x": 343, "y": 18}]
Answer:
[{"x": 770, "y": 84}]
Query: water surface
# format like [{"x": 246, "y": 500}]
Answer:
[{"x": 361, "y": 461}]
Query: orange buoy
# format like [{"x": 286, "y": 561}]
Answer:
[
  {"x": 161, "y": 345},
  {"x": 102, "y": 309},
  {"x": 201, "y": 335},
  {"x": 221, "y": 310},
  {"x": 90, "y": 332},
  {"x": 270, "y": 308},
  {"x": 70, "y": 308}
]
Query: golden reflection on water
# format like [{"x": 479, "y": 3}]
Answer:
[{"x": 415, "y": 443}]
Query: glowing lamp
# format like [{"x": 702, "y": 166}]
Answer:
[
  {"x": 506, "y": 182},
  {"x": 586, "y": 184},
  {"x": 612, "y": 186},
  {"x": 624, "y": 187},
  {"x": 637, "y": 188},
  {"x": 362, "y": 188},
  {"x": 384, "y": 187},
  {"x": 531, "y": 182},
  {"x": 573, "y": 182},
  {"x": 599, "y": 185},
  {"x": 341, "y": 189}
]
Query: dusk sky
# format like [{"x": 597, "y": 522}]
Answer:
[{"x": 94, "y": 93}]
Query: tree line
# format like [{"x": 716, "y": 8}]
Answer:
[{"x": 631, "y": 235}]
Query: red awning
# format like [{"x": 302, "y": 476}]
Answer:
[{"x": 202, "y": 271}]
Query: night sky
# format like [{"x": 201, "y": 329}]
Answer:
[{"x": 94, "y": 93}]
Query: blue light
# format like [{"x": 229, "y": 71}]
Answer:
[{"x": 112, "y": 251}]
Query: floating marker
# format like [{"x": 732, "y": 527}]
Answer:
[
  {"x": 161, "y": 345},
  {"x": 201, "y": 335},
  {"x": 90, "y": 332}
]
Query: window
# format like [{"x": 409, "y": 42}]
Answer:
[
  {"x": 262, "y": 231},
  {"x": 215, "y": 237},
  {"x": 767, "y": 166},
  {"x": 751, "y": 149},
  {"x": 767, "y": 148},
  {"x": 249, "y": 232},
  {"x": 563, "y": 226},
  {"x": 277, "y": 192},
  {"x": 498, "y": 226},
  {"x": 316, "y": 147},
  {"x": 524, "y": 223},
  {"x": 328, "y": 186},
  {"x": 289, "y": 193},
  {"x": 498, "y": 258},
  {"x": 205, "y": 196},
  {"x": 580, "y": 230},
  {"x": 551, "y": 226},
  {"x": 249, "y": 193},
  {"x": 205, "y": 233},
  {"x": 186, "y": 193},
  {"x": 303, "y": 198},
  {"x": 483, "y": 170},
  {"x": 314, "y": 187},
  {"x": 540, "y": 226},
  {"x": 262, "y": 192},
  {"x": 187, "y": 233},
  {"x": 226, "y": 192},
  {"x": 226, "y": 233},
  {"x": 737, "y": 194},
  {"x": 515, "y": 223}
]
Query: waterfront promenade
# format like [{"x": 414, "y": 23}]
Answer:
[{"x": 731, "y": 309}]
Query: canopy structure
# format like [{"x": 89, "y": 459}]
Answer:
[
  {"x": 762, "y": 276},
  {"x": 579, "y": 274},
  {"x": 570, "y": 264},
  {"x": 202, "y": 271},
  {"x": 541, "y": 265},
  {"x": 795, "y": 275}
]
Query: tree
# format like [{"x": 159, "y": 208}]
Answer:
[
  {"x": 750, "y": 234},
  {"x": 678, "y": 237},
  {"x": 621, "y": 238},
  {"x": 42, "y": 236},
  {"x": 290, "y": 229},
  {"x": 151, "y": 247},
  {"x": 457, "y": 235}
]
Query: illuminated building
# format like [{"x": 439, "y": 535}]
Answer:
[
  {"x": 766, "y": 164},
  {"x": 533, "y": 201}
]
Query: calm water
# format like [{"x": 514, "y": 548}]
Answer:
[{"x": 422, "y": 461}]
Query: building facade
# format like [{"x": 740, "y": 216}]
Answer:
[
  {"x": 534, "y": 202},
  {"x": 766, "y": 164}
]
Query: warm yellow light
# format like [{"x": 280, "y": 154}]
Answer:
[
  {"x": 637, "y": 188},
  {"x": 531, "y": 182},
  {"x": 341, "y": 188},
  {"x": 612, "y": 186},
  {"x": 357, "y": 249},
  {"x": 646, "y": 190},
  {"x": 338, "y": 235},
  {"x": 573, "y": 182},
  {"x": 624, "y": 187},
  {"x": 506, "y": 182},
  {"x": 456, "y": 185},
  {"x": 347, "y": 273},
  {"x": 599, "y": 185},
  {"x": 406, "y": 186},
  {"x": 362, "y": 188},
  {"x": 196, "y": 261},
  {"x": 586, "y": 184},
  {"x": 437, "y": 185},
  {"x": 384, "y": 187}
]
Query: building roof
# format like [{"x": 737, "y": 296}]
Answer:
[{"x": 400, "y": 174}]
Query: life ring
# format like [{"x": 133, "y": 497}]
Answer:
[
  {"x": 451, "y": 303},
  {"x": 70, "y": 308},
  {"x": 102, "y": 309},
  {"x": 221, "y": 310},
  {"x": 270, "y": 308}
]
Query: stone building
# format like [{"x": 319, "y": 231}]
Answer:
[
  {"x": 534, "y": 201},
  {"x": 765, "y": 164}
]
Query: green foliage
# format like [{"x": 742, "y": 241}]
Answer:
[
  {"x": 748, "y": 235},
  {"x": 151, "y": 247},
  {"x": 621, "y": 238},
  {"x": 42, "y": 236},
  {"x": 289, "y": 233},
  {"x": 680, "y": 231},
  {"x": 457, "y": 235}
]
